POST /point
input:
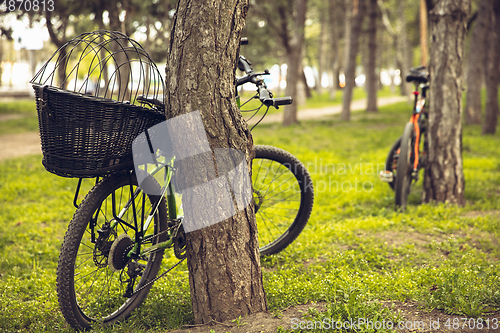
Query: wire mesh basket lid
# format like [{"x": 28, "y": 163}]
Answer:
[
  {"x": 105, "y": 64},
  {"x": 87, "y": 102}
]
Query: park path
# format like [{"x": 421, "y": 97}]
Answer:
[
  {"x": 28, "y": 143},
  {"x": 318, "y": 113}
]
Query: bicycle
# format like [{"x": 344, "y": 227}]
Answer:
[
  {"x": 116, "y": 241},
  {"x": 408, "y": 154}
]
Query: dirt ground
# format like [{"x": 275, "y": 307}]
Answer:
[
  {"x": 15, "y": 145},
  {"x": 413, "y": 319}
]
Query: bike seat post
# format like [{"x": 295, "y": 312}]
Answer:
[{"x": 415, "y": 93}]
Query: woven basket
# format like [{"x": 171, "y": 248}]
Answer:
[
  {"x": 89, "y": 119},
  {"x": 84, "y": 136}
]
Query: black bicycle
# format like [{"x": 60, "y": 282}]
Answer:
[
  {"x": 408, "y": 154},
  {"x": 121, "y": 232}
]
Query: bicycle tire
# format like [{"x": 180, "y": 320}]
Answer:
[
  {"x": 404, "y": 168},
  {"x": 391, "y": 161},
  {"x": 284, "y": 197},
  {"x": 89, "y": 291}
]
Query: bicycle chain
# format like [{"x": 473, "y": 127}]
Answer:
[
  {"x": 155, "y": 279},
  {"x": 177, "y": 251}
]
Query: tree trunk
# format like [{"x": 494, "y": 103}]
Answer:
[
  {"x": 353, "y": 30},
  {"x": 476, "y": 63},
  {"x": 334, "y": 46},
  {"x": 1, "y": 58},
  {"x": 444, "y": 179},
  {"x": 403, "y": 46},
  {"x": 492, "y": 74},
  {"x": 122, "y": 70},
  {"x": 372, "y": 78},
  {"x": 58, "y": 42},
  {"x": 223, "y": 259},
  {"x": 307, "y": 89},
  {"x": 294, "y": 61},
  {"x": 423, "y": 33},
  {"x": 323, "y": 40}
]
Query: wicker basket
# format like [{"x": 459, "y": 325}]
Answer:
[{"x": 89, "y": 133}]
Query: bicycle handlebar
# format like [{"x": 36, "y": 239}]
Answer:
[{"x": 265, "y": 96}]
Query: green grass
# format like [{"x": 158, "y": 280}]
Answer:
[
  {"x": 26, "y": 121},
  {"x": 355, "y": 253}
]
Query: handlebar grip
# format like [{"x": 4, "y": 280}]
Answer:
[
  {"x": 282, "y": 101},
  {"x": 277, "y": 101}
]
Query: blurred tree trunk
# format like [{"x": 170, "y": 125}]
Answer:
[
  {"x": 58, "y": 37},
  {"x": 354, "y": 21},
  {"x": 294, "y": 60},
  {"x": 323, "y": 40},
  {"x": 1, "y": 57},
  {"x": 444, "y": 179},
  {"x": 492, "y": 74},
  {"x": 393, "y": 43},
  {"x": 403, "y": 53},
  {"x": 333, "y": 19},
  {"x": 400, "y": 42},
  {"x": 307, "y": 89},
  {"x": 372, "y": 78},
  {"x": 121, "y": 58},
  {"x": 223, "y": 259},
  {"x": 423, "y": 33},
  {"x": 476, "y": 63}
]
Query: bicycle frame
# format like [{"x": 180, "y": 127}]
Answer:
[
  {"x": 419, "y": 113},
  {"x": 167, "y": 191}
]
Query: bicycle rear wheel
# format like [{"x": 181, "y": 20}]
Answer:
[
  {"x": 283, "y": 195},
  {"x": 391, "y": 161},
  {"x": 404, "y": 168},
  {"x": 96, "y": 281}
]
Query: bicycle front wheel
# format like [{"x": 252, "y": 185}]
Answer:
[
  {"x": 96, "y": 281},
  {"x": 404, "y": 168},
  {"x": 283, "y": 195}
]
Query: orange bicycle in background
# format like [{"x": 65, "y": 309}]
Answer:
[{"x": 409, "y": 153}]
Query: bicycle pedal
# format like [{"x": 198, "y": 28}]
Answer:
[{"x": 386, "y": 176}]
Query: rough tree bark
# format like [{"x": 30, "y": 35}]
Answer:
[
  {"x": 372, "y": 77},
  {"x": 294, "y": 61},
  {"x": 444, "y": 179},
  {"x": 223, "y": 259},
  {"x": 353, "y": 29},
  {"x": 492, "y": 72},
  {"x": 476, "y": 62}
]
